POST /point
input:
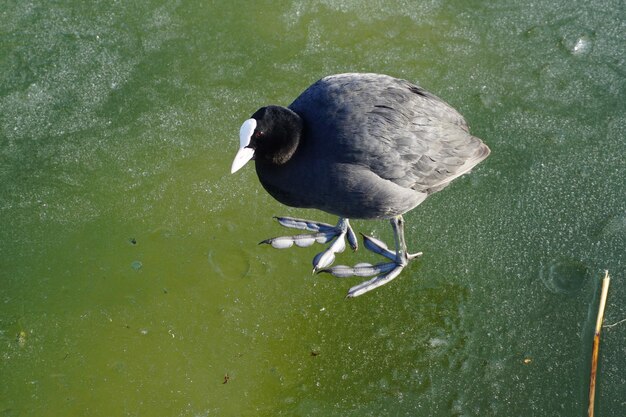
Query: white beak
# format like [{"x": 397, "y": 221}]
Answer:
[
  {"x": 242, "y": 157},
  {"x": 244, "y": 154}
]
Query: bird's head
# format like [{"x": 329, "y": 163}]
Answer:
[{"x": 271, "y": 136}]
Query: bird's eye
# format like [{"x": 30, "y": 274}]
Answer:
[{"x": 258, "y": 134}]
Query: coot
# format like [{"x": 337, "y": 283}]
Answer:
[{"x": 364, "y": 146}]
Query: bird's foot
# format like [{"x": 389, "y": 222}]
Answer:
[
  {"x": 382, "y": 272},
  {"x": 322, "y": 233}
]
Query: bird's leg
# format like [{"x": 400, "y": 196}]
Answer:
[
  {"x": 384, "y": 272},
  {"x": 323, "y": 233}
]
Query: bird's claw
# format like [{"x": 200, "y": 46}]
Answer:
[
  {"x": 301, "y": 224},
  {"x": 379, "y": 247},
  {"x": 325, "y": 258},
  {"x": 303, "y": 240},
  {"x": 323, "y": 233},
  {"x": 375, "y": 282},
  {"x": 382, "y": 272},
  {"x": 360, "y": 270},
  {"x": 337, "y": 235}
]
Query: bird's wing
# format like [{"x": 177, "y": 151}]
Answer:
[{"x": 399, "y": 131}]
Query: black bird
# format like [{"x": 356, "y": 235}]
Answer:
[{"x": 364, "y": 146}]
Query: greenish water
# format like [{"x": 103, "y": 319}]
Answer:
[{"x": 131, "y": 280}]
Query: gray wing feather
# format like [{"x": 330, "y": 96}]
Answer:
[{"x": 399, "y": 131}]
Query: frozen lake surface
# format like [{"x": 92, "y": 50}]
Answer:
[{"x": 131, "y": 279}]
